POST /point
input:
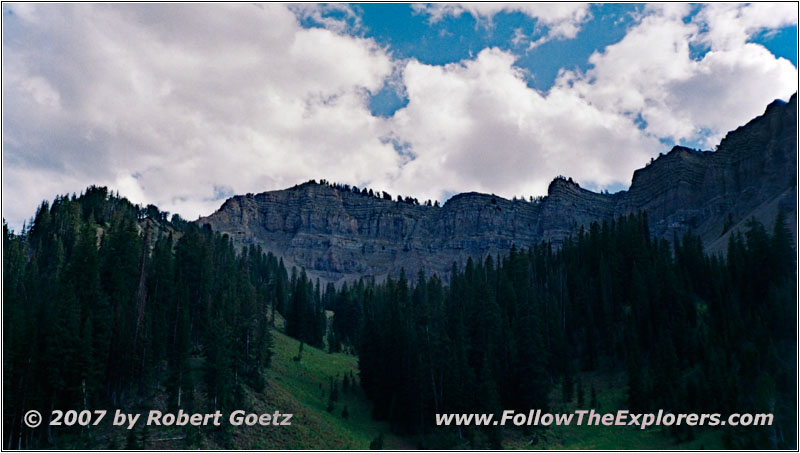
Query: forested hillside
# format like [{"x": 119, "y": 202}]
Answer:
[
  {"x": 693, "y": 333},
  {"x": 112, "y": 305},
  {"x": 108, "y": 305}
]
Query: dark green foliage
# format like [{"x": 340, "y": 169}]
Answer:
[
  {"x": 348, "y": 314},
  {"x": 334, "y": 393},
  {"x": 377, "y": 443},
  {"x": 131, "y": 442},
  {"x": 566, "y": 388},
  {"x": 103, "y": 308},
  {"x": 305, "y": 315},
  {"x": 345, "y": 384},
  {"x": 107, "y": 304},
  {"x": 334, "y": 345},
  {"x": 696, "y": 333},
  {"x": 331, "y": 403}
]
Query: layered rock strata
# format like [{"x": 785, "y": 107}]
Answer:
[{"x": 340, "y": 235}]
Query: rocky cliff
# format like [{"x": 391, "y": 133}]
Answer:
[{"x": 338, "y": 234}]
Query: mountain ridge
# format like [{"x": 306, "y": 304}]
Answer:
[{"x": 339, "y": 235}]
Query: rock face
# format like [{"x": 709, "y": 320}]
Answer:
[{"x": 337, "y": 235}]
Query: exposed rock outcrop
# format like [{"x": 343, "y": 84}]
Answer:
[{"x": 337, "y": 234}]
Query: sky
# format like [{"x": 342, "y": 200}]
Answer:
[{"x": 184, "y": 105}]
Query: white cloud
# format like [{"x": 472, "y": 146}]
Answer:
[
  {"x": 730, "y": 25},
  {"x": 652, "y": 72},
  {"x": 477, "y": 126},
  {"x": 338, "y": 17},
  {"x": 562, "y": 20},
  {"x": 518, "y": 37},
  {"x": 170, "y": 103},
  {"x": 185, "y": 97}
]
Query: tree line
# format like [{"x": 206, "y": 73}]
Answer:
[
  {"x": 109, "y": 305},
  {"x": 692, "y": 332}
]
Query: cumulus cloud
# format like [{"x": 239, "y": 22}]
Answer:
[
  {"x": 477, "y": 124},
  {"x": 181, "y": 105},
  {"x": 730, "y": 25},
  {"x": 166, "y": 101},
  {"x": 652, "y": 72}
]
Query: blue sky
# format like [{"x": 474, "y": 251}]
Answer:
[
  {"x": 453, "y": 39},
  {"x": 409, "y": 34},
  {"x": 424, "y": 100}
]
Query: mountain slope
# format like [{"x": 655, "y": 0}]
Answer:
[{"x": 338, "y": 234}]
